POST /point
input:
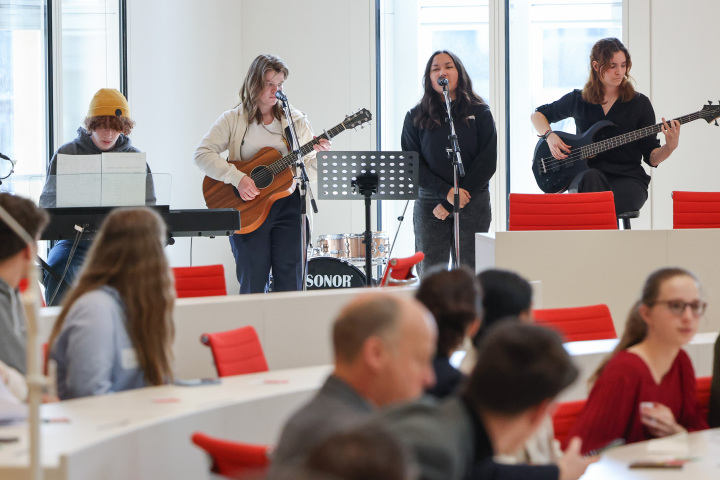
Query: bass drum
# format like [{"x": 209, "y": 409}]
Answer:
[{"x": 328, "y": 272}]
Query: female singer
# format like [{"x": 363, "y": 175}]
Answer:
[
  {"x": 609, "y": 95},
  {"x": 258, "y": 122},
  {"x": 426, "y": 132},
  {"x": 646, "y": 387},
  {"x": 115, "y": 330}
]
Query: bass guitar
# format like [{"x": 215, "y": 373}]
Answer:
[
  {"x": 554, "y": 175},
  {"x": 272, "y": 176}
]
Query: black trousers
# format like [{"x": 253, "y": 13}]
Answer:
[
  {"x": 630, "y": 193},
  {"x": 435, "y": 237},
  {"x": 275, "y": 245}
]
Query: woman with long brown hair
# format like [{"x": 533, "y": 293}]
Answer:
[
  {"x": 609, "y": 95},
  {"x": 257, "y": 122},
  {"x": 646, "y": 386},
  {"x": 115, "y": 330},
  {"x": 425, "y": 131}
]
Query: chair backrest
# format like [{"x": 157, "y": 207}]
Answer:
[
  {"x": 703, "y": 395},
  {"x": 399, "y": 270},
  {"x": 593, "y": 322},
  {"x": 564, "y": 418},
  {"x": 200, "y": 281},
  {"x": 696, "y": 209},
  {"x": 236, "y": 352},
  {"x": 572, "y": 211},
  {"x": 233, "y": 459}
]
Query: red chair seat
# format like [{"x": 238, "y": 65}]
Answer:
[
  {"x": 200, "y": 281},
  {"x": 233, "y": 459},
  {"x": 696, "y": 209},
  {"x": 236, "y": 352},
  {"x": 564, "y": 418},
  {"x": 578, "y": 323},
  {"x": 572, "y": 211},
  {"x": 399, "y": 270}
]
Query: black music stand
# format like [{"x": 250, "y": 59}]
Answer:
[{"x": 373, "y": 175}]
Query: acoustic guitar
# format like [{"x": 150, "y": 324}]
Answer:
[
  {"x": 554, "y": 175},
  {"x": 272, "y": 176}
]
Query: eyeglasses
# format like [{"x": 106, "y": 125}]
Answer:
[
  {"x": 677, "y": 307},
  {"x": 7, "y": 168}
]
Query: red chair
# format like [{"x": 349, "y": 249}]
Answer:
[
  {"x": 696, "y": 209},
  {"x": 564, "y": 418},
  {"x": 236, "y": 352},
  {"x": 399, "y": 270},
  {"x": 201, "y": 281},
  {"x": 578, "y": 323},
  {"x": 233, "y": 459},
  {"x": 703, "y": 395},
  {"x": 572, "y": 211}
]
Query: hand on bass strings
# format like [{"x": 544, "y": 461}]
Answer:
[
  {"x": 659, "y": 419},
  {"x": 440, "y": 212},
  {"x": 558, "y": 148},
  {"x": 247, "y": 189},
  {"x": 323, "y": 145},
  {"x": 464, "y": 197},
  {"x": 671, "y": 132}
]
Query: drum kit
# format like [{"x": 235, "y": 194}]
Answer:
[{"x": 336, "y": 260}]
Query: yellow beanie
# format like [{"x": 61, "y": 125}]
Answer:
[{"x": 110, "y": 102}]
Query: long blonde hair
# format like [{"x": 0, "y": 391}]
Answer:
[
  {"x": 635, "y": 326},
  {"x": 254, "y": 85},
  {"x": 128, "y": 255},
  {"x": 602, "y": 53}
]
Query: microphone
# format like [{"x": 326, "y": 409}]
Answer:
[
  {"x": 442, "y": 81},
  {"x": 280, "y": 96}
]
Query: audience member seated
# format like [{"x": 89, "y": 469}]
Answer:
[
  {"x": 646, "y": 386},
  {"x": 383, "y": 349},
  {"x": 454, "y": 299},
  {"x": 714, "y": 416},
  {"x": 520, "y": 370},
  {"x": 16, "y": 260},
  {"x": 364, "y": 453},
  {"x": 115, "y": 330}
]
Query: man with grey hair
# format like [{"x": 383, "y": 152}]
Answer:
[{"x": 383, "y": 348}]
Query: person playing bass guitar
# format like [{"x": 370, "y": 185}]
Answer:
[
  {"x": 609, "y": 95},
  {"x": 257, "y": 122}
]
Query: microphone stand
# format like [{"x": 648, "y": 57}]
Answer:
[
  {"x": 303, "y": 182},
  {"x": 458, "y": 171}
]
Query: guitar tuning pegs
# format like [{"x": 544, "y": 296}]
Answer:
[
  {"x": 709, "y": 102},
  {"x": 716, "y": 124}
]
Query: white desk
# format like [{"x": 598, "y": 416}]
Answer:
[
  {"x": 703, "y": 448},
  {"x": 145, "y": 434}
]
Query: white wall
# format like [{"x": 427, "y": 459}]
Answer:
[{"x": 187, "y": 60}]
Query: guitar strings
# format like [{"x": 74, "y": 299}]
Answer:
[{"x": 552, "y": 162}]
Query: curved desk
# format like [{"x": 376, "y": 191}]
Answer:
[
  {"x": 702, "y": 447},
  {"x": 145, "y": 433}
]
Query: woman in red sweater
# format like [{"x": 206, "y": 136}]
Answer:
[{"x": 646, "y": 387}]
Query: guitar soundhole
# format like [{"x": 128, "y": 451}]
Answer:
[{"x": 262, "y": 176}]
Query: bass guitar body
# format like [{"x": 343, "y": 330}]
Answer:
[
  {"x": 553, "y": 175},
  {"x": 272, "y": 186}
]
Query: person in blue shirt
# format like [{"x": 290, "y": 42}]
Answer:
[{"x": 115, "y": 330}]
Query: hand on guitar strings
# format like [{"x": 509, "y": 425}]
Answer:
[
  {"x": 558, "y": 148},
  {"x": 440, "y": 212},
  {"x": 464, "y": 197},
  {"x": 672, "y": 133},
  {"x": 323, "y": 145},
  {"x": 247, "y": 189}
]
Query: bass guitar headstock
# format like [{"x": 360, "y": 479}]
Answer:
[{"x": 710, "y": 112}]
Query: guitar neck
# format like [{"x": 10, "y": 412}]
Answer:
[
  {"x": 288, "y": 160},
  {"x": 604, "y": 145}
]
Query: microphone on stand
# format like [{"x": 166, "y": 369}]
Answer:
[
  {"x": 281, "y": 96},
  {"x": 442, "y": 81}
]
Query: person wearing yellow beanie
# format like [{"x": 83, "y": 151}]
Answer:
[{"x": 106, "y": 129}]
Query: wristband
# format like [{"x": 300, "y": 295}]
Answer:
[{"x": 545, "y": 135}]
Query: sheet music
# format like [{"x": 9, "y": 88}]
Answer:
[
  {"x": 78, "y": 180},
  {"x": 123, "y": 179}
]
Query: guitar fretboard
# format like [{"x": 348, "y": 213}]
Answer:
[
  {"x": 280, "y": 165},
  {"x": 603, "y": 145}
]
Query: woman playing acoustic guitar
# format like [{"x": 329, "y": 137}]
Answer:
[
  {"x": 609, "y": 95},
  {"x": 258, "y": 122}
]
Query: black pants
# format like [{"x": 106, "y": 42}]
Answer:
[
  {"x": 435, "y": 237},
  {"x": 630, "y": 193},
  {"x": 275, "y": 245}
]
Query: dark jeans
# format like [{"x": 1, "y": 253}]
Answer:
[
  {"x": 630, "y": 193},
  {"x": 57, "y": 259},
  {"x": 434, "y": 237},
  {"x": 275, "y": 245}
]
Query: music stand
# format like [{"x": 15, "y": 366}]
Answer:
[{"x": 373, "y": 175}]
